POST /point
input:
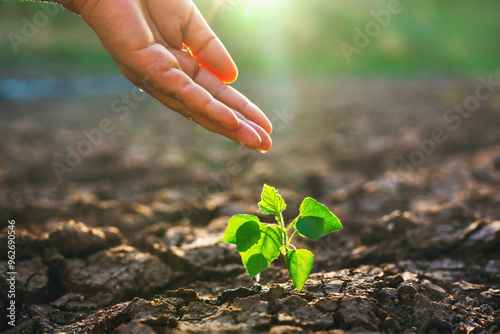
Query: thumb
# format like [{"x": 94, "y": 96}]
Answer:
[{"x": 208, "y": 49}]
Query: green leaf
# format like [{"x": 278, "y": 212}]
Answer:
[
  {"x": 259, "y": 244},
  {"x": 256, "y": 263},
  {"x": 233, "y": 224},
  {"x": 247, "y": 235},
  {"x": 315, "y": 220},
  {"x": 299, "y": 263},
  {"x": 271, "y": 201}
]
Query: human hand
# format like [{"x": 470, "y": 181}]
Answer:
[{"x": 166, "y": 48}]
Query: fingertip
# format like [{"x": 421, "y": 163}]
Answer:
[
  {"x": 249, "y": 137},
  {"x": 227, "y": 72},
  {"x": 265, "y": 140},
  {"x": 268, "y": 126},
  {"x": 252, "y": 112},
  {"x": 253, "y": 143},
  {"x": 230, "y": 75},
  {"x": 266, "y": 145},
  {"x": 217, "y": 60},
  {"x": 226, "y": 68},
  {"x": 265, "y": 124}
]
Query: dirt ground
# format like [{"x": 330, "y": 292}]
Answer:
[{"x": 119, "y": 207}]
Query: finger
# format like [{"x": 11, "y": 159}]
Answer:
[
  {"x": 266, "y": 141},
  {"x": 232, "y": 98},
  {"x": 199, "y": 101},
  {"x": 244, "y": 135},
  {"x": 180, "y": 23},
  {"x": 227, "y": 95},
  {"x": 170, "y": 18},
  {"x": 208, "y": 49}
]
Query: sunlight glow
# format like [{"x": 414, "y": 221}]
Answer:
[
  {"x": 247, "y": 7},
  {"x": 259, "y": 3},
  {"x": 256, "y": 6}
]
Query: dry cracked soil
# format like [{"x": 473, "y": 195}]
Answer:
[{"x": 127, "y": 239}]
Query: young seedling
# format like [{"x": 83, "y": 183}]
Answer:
[{"x": 259, "y": 243}]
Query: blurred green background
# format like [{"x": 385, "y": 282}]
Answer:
[{"x": 285, "y": 37}]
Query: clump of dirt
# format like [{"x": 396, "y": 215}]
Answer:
[{"x": 129, "y": 241}]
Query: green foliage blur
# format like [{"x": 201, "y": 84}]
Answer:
[{"x": 287, "y": 38}]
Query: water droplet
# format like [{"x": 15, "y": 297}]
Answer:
[{"x": 257, "y": 278}]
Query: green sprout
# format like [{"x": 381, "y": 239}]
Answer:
[{"x": 260, "y": 244}]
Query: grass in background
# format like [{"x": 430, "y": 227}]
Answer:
[
  {"x": 65, "y": 45},
  {"x": 288, "y": 37}
]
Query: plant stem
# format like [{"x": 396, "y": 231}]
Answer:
[
  {"x": 289, "y": 240},
  {"x": 283, "y": 232}
]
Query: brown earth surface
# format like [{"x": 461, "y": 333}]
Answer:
[{"x": 127, "y": 239}]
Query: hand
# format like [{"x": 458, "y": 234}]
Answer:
[{"x": 166, "y": 48}]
